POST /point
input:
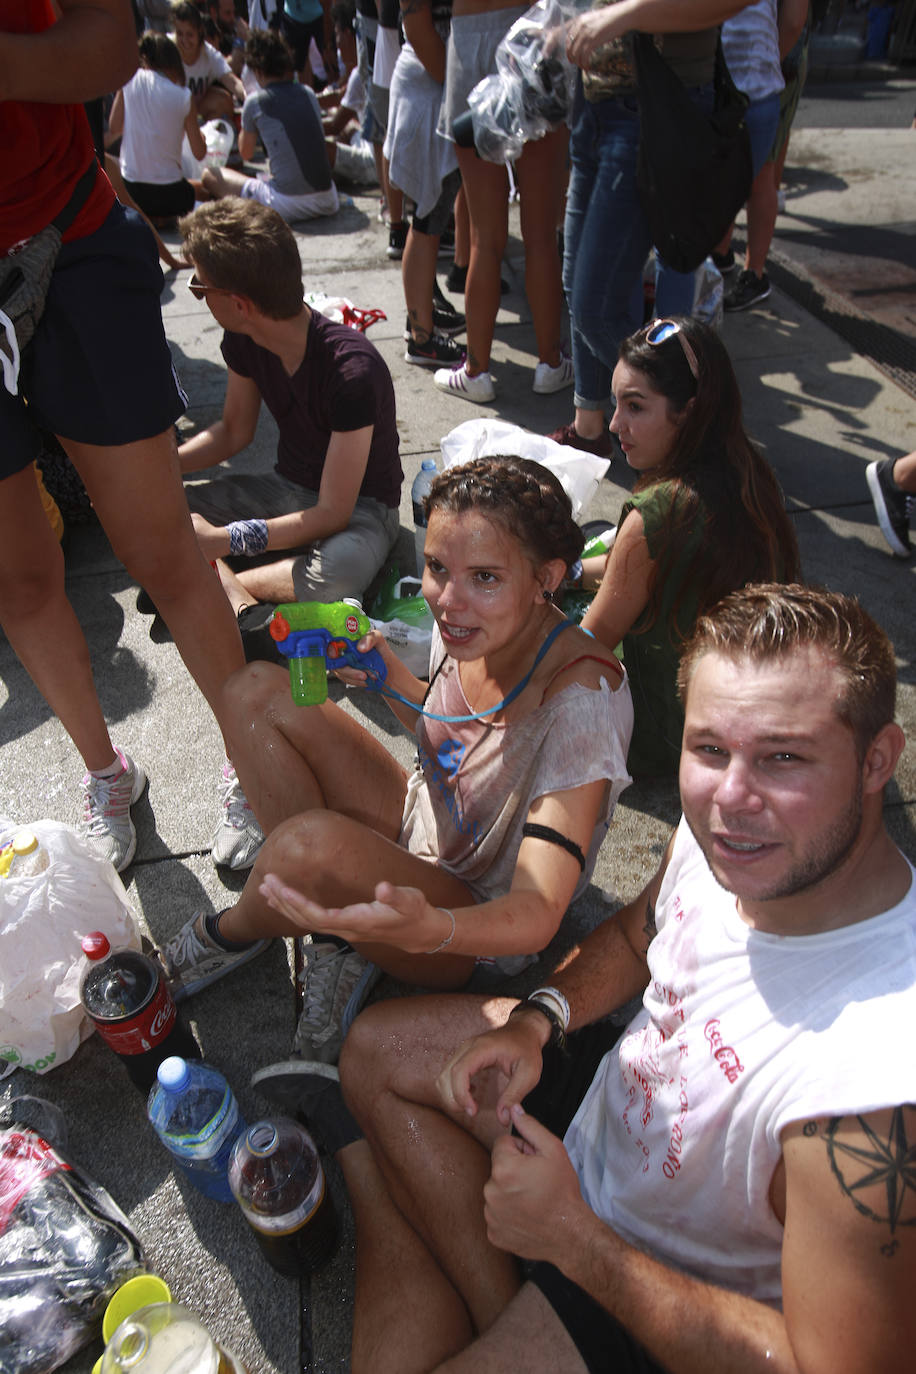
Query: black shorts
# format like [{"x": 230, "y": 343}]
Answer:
[
  {"x": 604, "y": 1345},
  {"x": 437, "y": 220},
  {"x": 161, "y": 201},
  {"x": 98, "y": 370},
  {"x": 299, "y": 37}
]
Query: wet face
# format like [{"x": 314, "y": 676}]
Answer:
[
  {"x": 189, "y": 41},
  {"x": 481, "y": 586},
  {"x": 643, "y": 421},
  {"x": 771, "y": 784}
]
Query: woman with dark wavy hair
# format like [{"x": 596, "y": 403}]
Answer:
[
  {"x": 521, "y": 739},
  {"x": 707, "y": 516}
]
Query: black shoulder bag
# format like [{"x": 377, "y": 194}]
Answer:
[{"x": 694, "y": 170}]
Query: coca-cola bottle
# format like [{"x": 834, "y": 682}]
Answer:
[
  {"x": 126, "y": 996},
  {"x": 278, "y": 1181}
]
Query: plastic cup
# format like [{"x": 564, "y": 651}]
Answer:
[{"x": 140, "y": 1291}]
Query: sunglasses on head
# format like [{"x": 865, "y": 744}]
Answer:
[
  {"x": 198, "y": 290},
  {"x": 661, "y": 330}
]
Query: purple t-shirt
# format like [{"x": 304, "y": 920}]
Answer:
[{"x": 342, "y": 384}]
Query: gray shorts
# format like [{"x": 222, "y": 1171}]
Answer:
[
  {"x": 471, "y": 56},
  {"x": 342, "y": 565}
]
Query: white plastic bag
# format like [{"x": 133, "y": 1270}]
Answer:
[
  {"x": 411, "y": 643},
  {"x": 580, "y": 473},
  {"x": 42, "y": 921},
  {"x": 219, "y": 137}
]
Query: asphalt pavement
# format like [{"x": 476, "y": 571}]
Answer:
[{"x": 821, "y": 408}]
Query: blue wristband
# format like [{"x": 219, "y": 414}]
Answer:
[{"x": 247, "y": 537}]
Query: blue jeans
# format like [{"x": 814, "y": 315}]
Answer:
[{"x": 607, "y": 241}]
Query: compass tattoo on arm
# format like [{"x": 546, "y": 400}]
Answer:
[{"x": 877, "y": 1171}]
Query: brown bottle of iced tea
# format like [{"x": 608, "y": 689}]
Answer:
[{"x": 277, "y": 1179}]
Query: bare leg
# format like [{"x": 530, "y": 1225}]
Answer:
[
  {"x": 762, "y": 210},
  {"x": 344, "y": 795},
  {"x": 137, "y": 493},
  {"x": 590, "y": 423},
  {"x": 394, "y": 195},
  {"x": 542, "y": 175},
  {"x": 462, "y": 230},
  {"x": 905, "y": 472},
  {"x": 40, "y": 623},
  {"x": 486, "y": 189},
  {"x": 223, "y": 181},
  {"x": 293, "y": 758},
  {"x": 422, "y": 1305},
  {"x": 418, "y": 273},
  {"x": 528, "y": 1335},
  {"x": 434, "y": 1168}
]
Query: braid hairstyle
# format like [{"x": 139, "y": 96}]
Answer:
[{"x": 522, "y": 496}]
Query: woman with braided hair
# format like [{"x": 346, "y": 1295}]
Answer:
[{"x": 521, "y": 738}]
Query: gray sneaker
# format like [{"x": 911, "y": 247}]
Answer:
[
  {"x": 238, "y": 837},
  {"x": 192, "y": 960},
  {"x": 107, "y": 826},
  {"x": 335, "y": 983}
]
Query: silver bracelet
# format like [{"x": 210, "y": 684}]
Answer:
[{"x": 443, "y": 944}]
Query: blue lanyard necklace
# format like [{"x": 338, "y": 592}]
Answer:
[{"x": 500, "y": 705}]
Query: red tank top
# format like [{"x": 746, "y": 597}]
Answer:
[{"x": 46, "y": 148}]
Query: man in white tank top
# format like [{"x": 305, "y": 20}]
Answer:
[{"x": 737, "y": 1188}]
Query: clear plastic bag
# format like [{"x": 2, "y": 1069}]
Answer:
[
  {"x": 65, "y": 1247},
  {"x": 42, "y": 920},
  {"x": 532, "y": 89},
  {"x": 579, "y": 473}
]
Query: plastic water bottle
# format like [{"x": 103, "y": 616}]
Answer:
[
  {"x": 279, "y": 1184},
  {"x": 421, "y": 485},
  {"x": 125, "y": 994},
  {"x": 166, "y": 1338},
  {"x": 600, "y": 543},
  {"x": 194, "y": 1113},
  {"x": 23, "y": 857}
]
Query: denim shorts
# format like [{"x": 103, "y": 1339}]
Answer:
[{"x": 98, "y": 369}]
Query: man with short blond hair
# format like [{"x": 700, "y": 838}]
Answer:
[{"x": 727, "y": 1184}]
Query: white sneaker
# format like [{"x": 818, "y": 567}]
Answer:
[
  {"x": 107, "y": 826},
  {"x": 456, "y": 382},
  {"x": 238, "y": 837},
  {"x": 549, "y": 379}
]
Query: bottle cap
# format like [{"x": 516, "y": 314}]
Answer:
[
  {"x": 25, "y": 842},
  {"x": 95, "y": 946},
  {"x": 428, "y": 465},
  {"x": 173, "y": 1074}
]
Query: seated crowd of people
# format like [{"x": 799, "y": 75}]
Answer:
[{"x": 722, "y": 1179}]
